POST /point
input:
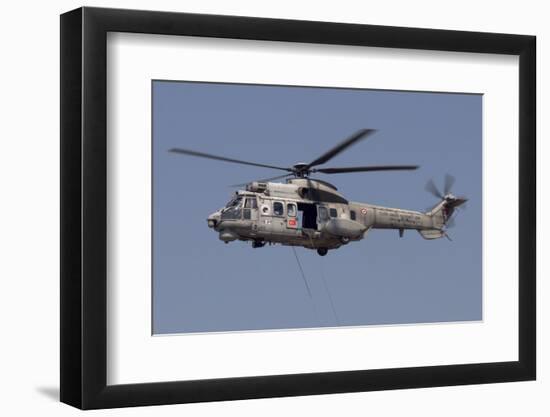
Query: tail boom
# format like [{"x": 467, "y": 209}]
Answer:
[{"x": 430, "y": 225}]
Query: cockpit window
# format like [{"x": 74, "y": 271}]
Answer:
[
  {"x": 233, "y": 209},
  {"x": 333, "y": 212},
  {"x": 250, "y": 203},
  {"x": 234, "y": 202}
]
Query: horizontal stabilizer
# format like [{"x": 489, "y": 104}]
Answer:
[{"x": 432, "y": 233}]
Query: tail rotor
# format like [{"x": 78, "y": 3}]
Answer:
[
  {"x": 444, "y": 211},
  {"x": 449, "y": 182},
  {"x": 447, "y": 186},
  {"x": 433, "y": 190}
]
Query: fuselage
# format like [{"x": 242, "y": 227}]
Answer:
[{"x": 308, "y": 213}]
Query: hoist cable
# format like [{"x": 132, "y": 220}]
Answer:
[
  {"x": 301, "y": 271},
  {"x": 326, "y": 287},
  {"x": 329, "y": 296}
]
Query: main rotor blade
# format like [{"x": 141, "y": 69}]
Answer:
[
  {"x": 278, "y": 177},
  {"x": 449, "y": 181},
  {"x": 223, "y": 158},
  {"x": 361, "y": 134},
  {"x": 432, "y": 189},
  {"x": 366, "y": 169}
]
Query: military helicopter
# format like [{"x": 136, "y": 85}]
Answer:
[{"x": 311, "y": 213}]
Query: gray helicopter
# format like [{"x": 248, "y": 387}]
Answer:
[{"x": 311, "y": 213}]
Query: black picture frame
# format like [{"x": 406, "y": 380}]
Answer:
[{"x": 84, "y": 207}]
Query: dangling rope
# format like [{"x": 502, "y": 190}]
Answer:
[
  {"x": 329, "y": 296},
  {"x": 326, "y": 287},
  {"x": 301, "y": 271}
]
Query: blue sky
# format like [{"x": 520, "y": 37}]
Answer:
[{"x": 201, "y": 284}]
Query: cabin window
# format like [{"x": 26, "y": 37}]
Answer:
[
  {"x": 352, "y": 215},
  {"x": 278, "y": 208},
  {"x": 333, "y": 212},
  {"x": 323, "y": 213},
  {"x": 291, "y": 210}
]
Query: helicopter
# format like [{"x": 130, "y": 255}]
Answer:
[{"x": 312, "y": 213}]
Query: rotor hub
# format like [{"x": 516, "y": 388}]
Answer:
[{"x": 300, "y": 169}]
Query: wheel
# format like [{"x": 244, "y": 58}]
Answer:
[
  {"x": 322, "y": 251},
  {"x": 258, "y": 244},
  {"x": 344, "y": 240}
]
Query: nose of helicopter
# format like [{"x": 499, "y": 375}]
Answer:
[{"x": 214, "y": 219}]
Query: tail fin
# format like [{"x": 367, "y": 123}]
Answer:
[{"x": 441, "y": 213}]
